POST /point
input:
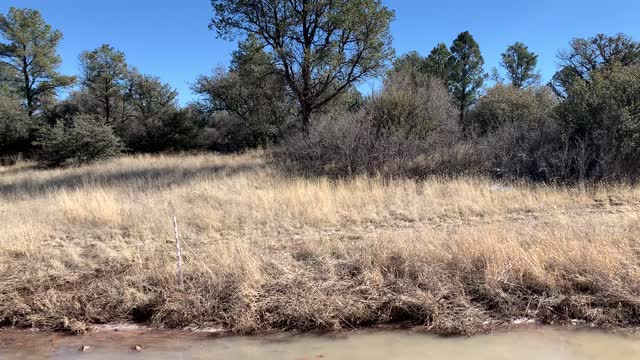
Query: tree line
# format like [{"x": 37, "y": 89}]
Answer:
[{"x": 292, "y": 87}]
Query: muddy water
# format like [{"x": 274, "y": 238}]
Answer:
[{"x": 521, "y": 344}]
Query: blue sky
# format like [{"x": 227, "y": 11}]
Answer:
[{"x": 170, "y": 39}]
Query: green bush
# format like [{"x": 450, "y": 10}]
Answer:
[
  {"x": 602, "y": 118},
  {"x": 84, "y": 140},
  {"x": 171, "y": 131},
  {"x": 15, "y": 129}
]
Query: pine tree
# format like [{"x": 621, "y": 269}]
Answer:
[
  {"x": 467, "y": 75},
  {"x": 29, "y": 59},
  {"x": 520, "y": 64}
]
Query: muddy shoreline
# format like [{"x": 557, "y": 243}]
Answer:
[
  {"x": 525, "y": 339},
  {"x": 221, "y": 332}
]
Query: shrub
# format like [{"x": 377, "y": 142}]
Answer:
[
  {"x": 505, "y": 104},
  {"x": 528, "y": 150},
  {"x": 16, "y": 129},
  {"x": 227, "y": 133},
  {"x": 406, "y": 130},
  {"x": 602, "y": 119},
  {"x": 412, "y": 106},
  {"x": 345, "y": 144},
  {"x": 170, "y": 131},
  {"x": 84, "y": 140}
]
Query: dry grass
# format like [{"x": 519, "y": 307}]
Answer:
[{"x": 95, "y": 245}]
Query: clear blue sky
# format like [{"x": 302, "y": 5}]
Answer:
[{"x": 170, "y": 39}]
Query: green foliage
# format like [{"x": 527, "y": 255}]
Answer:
[
  {"x": 251, "y": 57},
  {"x": 151, "y": 115},
  {"x": 85, "y": 140},
  {"x": 104, "y": 75},
  {"x": 409, "y": 63},
  {"x": 227, "y": 133},
  {"x": 28, "y": 57},
  {"x": 15, "y": 126},
  {"x": 606, "y": 106},
  {"x": 520, "y": 64},
  {"x": 173, "y": 131},
  {"x": 602, "y": 118},
  {"x": 149, "y": 97},
  {"x": 508, "y": 104},
  {"x": 438, "y": 63},
  {"x": 320, "y": 47},
  {"x": 466, "y": 75},
  {"x": 588, "y": 55},
  {"x": 255, "y": 98},
  {"x": 351, "y": 100}
]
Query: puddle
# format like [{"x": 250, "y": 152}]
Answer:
[{"x": 527, "y": 344}]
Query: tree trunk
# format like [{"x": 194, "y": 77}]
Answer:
[
  {"x": 306, "y": 118},
  {"x": 107, "y": 109},
  {"x": 462, "y": 121},
  {"x": 27, "y": 89}
]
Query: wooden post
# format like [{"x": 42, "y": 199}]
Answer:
[{"x": 175, "y": 231}]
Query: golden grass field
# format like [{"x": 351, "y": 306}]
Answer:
[{"x": 262, "y": 251}]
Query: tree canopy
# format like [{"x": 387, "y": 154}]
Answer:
[
  {"x": 320, "y": 47},
  {"x": 251, "y": 91},
  {"x": 104, "y": 74},
  {"x": 520, "y": 64},
  {"x": 28, "y": 57},
  {"x": 587, "y": 55},
  {"x": 438, "y": 62},
  {"x": 466, "y": 76}
]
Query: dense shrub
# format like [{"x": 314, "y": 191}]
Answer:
[
  {"x": 171, "y": 131},
  {"x": 225, "y": 132},
  {"x": 77, "y": 103},
  {"x": 524, "y": 150},
  {"x": 16, "y": 129},
  {"x": 346, "y": 144},
  {"x": 409, "y": 129},
  {"x": 505, "y": 104},
  {"x": 84, "y": 140},
  {"x": 602, "y": 118},
  {"x": 412, "y": 106}
]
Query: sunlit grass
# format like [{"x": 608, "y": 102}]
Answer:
[{"x": 95, "y": 244}]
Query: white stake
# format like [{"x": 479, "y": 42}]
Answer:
[{"x": 175, "y": 230}]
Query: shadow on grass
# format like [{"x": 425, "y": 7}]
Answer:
[
  {"x": 149, "y": 179},
  {"x": 17, "y": 169}
]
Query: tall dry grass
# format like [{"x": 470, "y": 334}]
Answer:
[{"x": 262, "y": 251}]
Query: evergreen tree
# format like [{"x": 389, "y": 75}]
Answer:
[
  {"x": 467, "y": 75},
  {"x": 438, "y": 62},
  {"x": 252, "y": 93},
  {"x": 28, "y": 58},
  {"x": 520, "y": 64},
  {"x": 411, "y": 62},
  {"x": 104, "y": 75}
]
